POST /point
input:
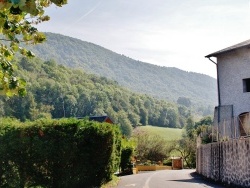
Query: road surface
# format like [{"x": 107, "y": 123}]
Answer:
[{"x": 166, "y": 179}]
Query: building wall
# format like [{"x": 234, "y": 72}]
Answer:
[
  {"x": 233, "y": 67},
  {"x": 228, "y": 162},
  {"x": 225, "y": 125}
]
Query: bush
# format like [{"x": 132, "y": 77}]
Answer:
[
  {"x": 126, "y": 155},
  {"x": 150, "y": 147},
  {"x": 167, "y": 162},
  {"x": 58, "y": 153}
]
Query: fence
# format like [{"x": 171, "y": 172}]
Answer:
[{"x": 232, "y": 128}]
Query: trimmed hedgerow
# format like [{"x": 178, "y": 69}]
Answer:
[
  {"x": 58, "y": 153},
  {"x": 126, "y": 157}
]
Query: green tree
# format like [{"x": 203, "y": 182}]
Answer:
[
  {"x": 144, "y": 116},
  {"x": 134, "y": 118},
  {"x": 127, "y": 153},
  {"x": 41, "y": 111},
  {"x": 184, "y": 111},
  {"x": 187, "y": 149},
  {"x": 150, "y": 147},
  {"x": 20, "y": 107},
  {"x": 125, "y": 125},
  {"x": 17, "y": 20},
  {"x": 163, "y": 120},
  {"x": 56, "y": 91},
  {"x": 190, "y": 128},
  {"x": 204, "y": 129},
  {"x": 172, "y": 116},
  {"x": 204, "y": 121}
]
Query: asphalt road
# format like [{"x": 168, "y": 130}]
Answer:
[{"x": 166, "y": 179}]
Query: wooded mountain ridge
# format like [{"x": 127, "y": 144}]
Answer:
[
  {"x": 160, "y": 82},
  {"x": 56, "y": 91}
]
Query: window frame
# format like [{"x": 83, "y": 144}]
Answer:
[{"x": 246, "y": 85}]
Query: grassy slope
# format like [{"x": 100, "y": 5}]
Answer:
[{"x": 166, "y": 133}]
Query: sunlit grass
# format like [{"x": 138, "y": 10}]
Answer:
[{"x": 169, "y": 134}]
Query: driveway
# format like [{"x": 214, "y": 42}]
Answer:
[{"x": 166, "y": 179}]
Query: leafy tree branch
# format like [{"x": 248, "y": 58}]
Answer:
[{"x": 17, "y": 24}]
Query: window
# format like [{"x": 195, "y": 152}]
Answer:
[{"x": 246, "y": 85}]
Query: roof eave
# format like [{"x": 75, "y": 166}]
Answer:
[{"x": 230, "y": 49}]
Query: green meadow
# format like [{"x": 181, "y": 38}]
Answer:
[{"x": 167, "y": 133}]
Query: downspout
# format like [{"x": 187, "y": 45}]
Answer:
[
  {"x": 219, "y": 101},
  {"x": 218, "y": 88},
  {"x": 218, "y": 82}
]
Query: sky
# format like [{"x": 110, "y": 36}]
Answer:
[{"x": 170, "y": 33}]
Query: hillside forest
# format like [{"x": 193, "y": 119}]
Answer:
[
  {"x": 54, "y": 91},
  {"x": 166, "y": 83}
]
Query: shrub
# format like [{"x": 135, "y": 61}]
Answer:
[
  {"x": 126, "y": 155},
  {"x": 58, "y": 153},
  {"x": 151, "y": 147},
  {"x": 167, "y": 162}
]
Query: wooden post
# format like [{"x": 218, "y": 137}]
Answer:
[{"x": 224, "y": 128}]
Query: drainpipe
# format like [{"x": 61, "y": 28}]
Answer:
[
  {"x": 218, "y": 82},
  {"x": 218, "y": 88},
  {"x": 219, "y": 101}
]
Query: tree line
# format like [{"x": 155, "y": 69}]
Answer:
[{"x": 54, "y": 91}]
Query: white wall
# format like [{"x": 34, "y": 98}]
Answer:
[{"x": 233, "y": 67}]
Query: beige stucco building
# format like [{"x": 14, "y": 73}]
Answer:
[{"x": 233, "y": 77}]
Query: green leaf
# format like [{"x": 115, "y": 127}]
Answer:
[
  {"x": 14, "y": 25},
  {"x": 22, "y": 92},
  {"x": 22, "y": 82},
  {"x": 14, "y": 46},
  {"x": 30, "y": 54}
]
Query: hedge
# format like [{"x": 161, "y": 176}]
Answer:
[
  {"x": 58, "y": 153},
  {"x": 126, "y": 157}
]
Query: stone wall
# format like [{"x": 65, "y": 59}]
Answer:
[{"x": 227, "y": 162}]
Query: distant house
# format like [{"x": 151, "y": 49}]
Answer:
[
  {"x": 233, "y": 77},
  {"x": 101, "y": 119}
]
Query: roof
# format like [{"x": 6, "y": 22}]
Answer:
[
  {"x": 100, "y": 119},
  {"x": 231, "y": 48}
]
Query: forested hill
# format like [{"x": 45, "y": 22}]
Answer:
[
  {"x": 57, "y": 91},
  {"x": 160, "y": 82}
]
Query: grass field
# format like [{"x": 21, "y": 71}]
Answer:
[{"x": 166, "y": 133}]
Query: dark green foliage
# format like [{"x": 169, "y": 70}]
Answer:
[
  {"x": 187, "y": 145},
  {"x": 167, "y": 162},
  {"x": 204, "y": 129},
  {"x": 58, "y": 153},
  {"x": 187, "y": 148},
  {"x": 126, "y": 156},
  {"x": 160, "y": 82},
  {"x": 204, "y": 121},
  {"x": 56, "y": 91},
  {"x": 190, "y": 128},
  {"x": 126, "y": 166},
  {"x": 125, "y": 124}
]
